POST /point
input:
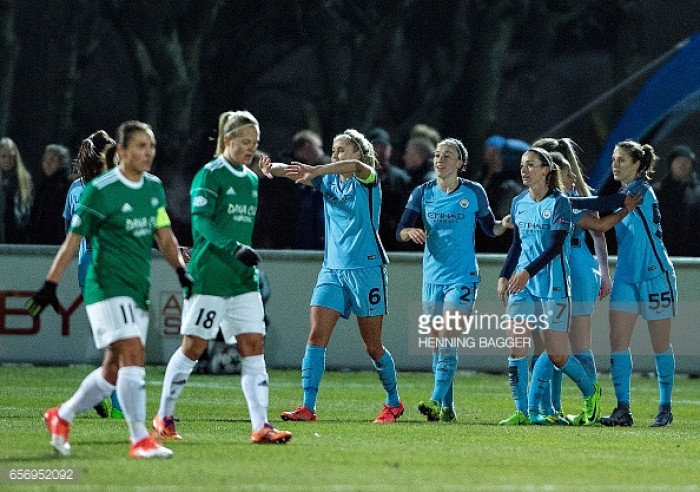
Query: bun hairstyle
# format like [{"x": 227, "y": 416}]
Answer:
[
  {"x": 230, "y": 123},
  {"x": 644, "y": 154},
  {"x": 361, "y": 144},
  {"x": 571, "y": 151},
  {"x": 461, "y": 150}
]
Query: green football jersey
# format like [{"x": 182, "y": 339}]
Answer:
[
  {"x": 224, "y": 204},
  {"x": 120, "y": 217}
]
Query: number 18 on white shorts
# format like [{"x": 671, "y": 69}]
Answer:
[{"x": 203, "y": 316}]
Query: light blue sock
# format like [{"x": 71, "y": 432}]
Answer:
[
  {"x": 444, "y": 373},
  {"x": 555, "y": 389},
  {"x": 313, "y": 366},
  {"x": 585, "y": 357},
  {"x": 387, "y": 375},
  {"x": 665, "y": 371},
  {"x": 577, "y": 373},
  {"x": 449, "y": 400},
  {"x": 621, "y": 373},
  {"x": 517, "y": 378},
  {"x": 539, "y": 385},
  {"x": 115, "y": 401}
]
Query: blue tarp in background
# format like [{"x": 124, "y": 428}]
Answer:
[{"x": 672, "y": 90}]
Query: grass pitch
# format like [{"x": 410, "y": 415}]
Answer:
[{"x": 344, "y": 450}]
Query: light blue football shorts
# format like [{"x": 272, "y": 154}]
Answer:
[
  {"x": 360, "y": 290},
  {"x": 539, "y": 312},
  {"x": 654, "y": 298},
  {"x": 454, "y": 297}
]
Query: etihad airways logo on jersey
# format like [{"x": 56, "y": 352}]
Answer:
[
  {"x": 534, "y": 226},
  {"x": 141, "y": 226},
  {"x": 445, "y": 217}
]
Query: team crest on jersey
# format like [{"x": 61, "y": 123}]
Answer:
[
  {"x": 126, "y": 208},
  {"x": 230, "y": 191},
  {"x": 199, "y": 201},
  {"x": 546, "y": 213},
  {"x": 154, "y": 201},
  {"x": 255, "y": 194},
  {"x": 464, "y": 203}
]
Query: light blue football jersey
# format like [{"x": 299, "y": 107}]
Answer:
[
  {"x": 85, "y": 251},
  {"x": 351, "y": 214},
  {"x": 582, "y": 264},
  {"x": 536, "y": 222},
  {"x": 641, "y": 253},
  {"x": 450, "y": 219}
]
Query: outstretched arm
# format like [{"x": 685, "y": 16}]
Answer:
[
  {"x": 271, "y": 169},
  {"x": 303, "y": 173},
  {"x": 603, "y": 224}
]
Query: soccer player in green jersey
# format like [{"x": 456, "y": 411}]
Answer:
[
  {"x": 226, "y": 297},
  {"x": 122, "y": 211}
]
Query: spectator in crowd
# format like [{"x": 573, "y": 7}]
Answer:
[
  {"x": 294, "y": 213},
  {"x": 501, "y": 159},
  {"x": 46, "y": 224},
  {"x": 395, "y": 190},
  {"x": 308, "y": 149},
  {"x": 425, "y": 131},
  {"x": 418, "y": 160},
  {"x": 16, "y": 194},
  {"x": 501, "y": 180},
  {"x": 679, "y": 202}
]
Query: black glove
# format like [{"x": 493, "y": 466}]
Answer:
[
  {"x": 186, "y": 281},
  {"x": 247, "y": 255},
  {"x": 42, "y": 298}
]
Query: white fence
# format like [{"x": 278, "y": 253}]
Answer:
[{"x": 64, "y": 339}]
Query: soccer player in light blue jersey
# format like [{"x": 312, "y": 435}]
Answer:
[
  {"x": 450, "y": 208},
  {"x": 95, "y": 155},
  {"x": 353, "y": 276},
  {"x": 645, "y": 284},
  {"x": 591, "y": 273},
  {"x": 535, "y": 280}
]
